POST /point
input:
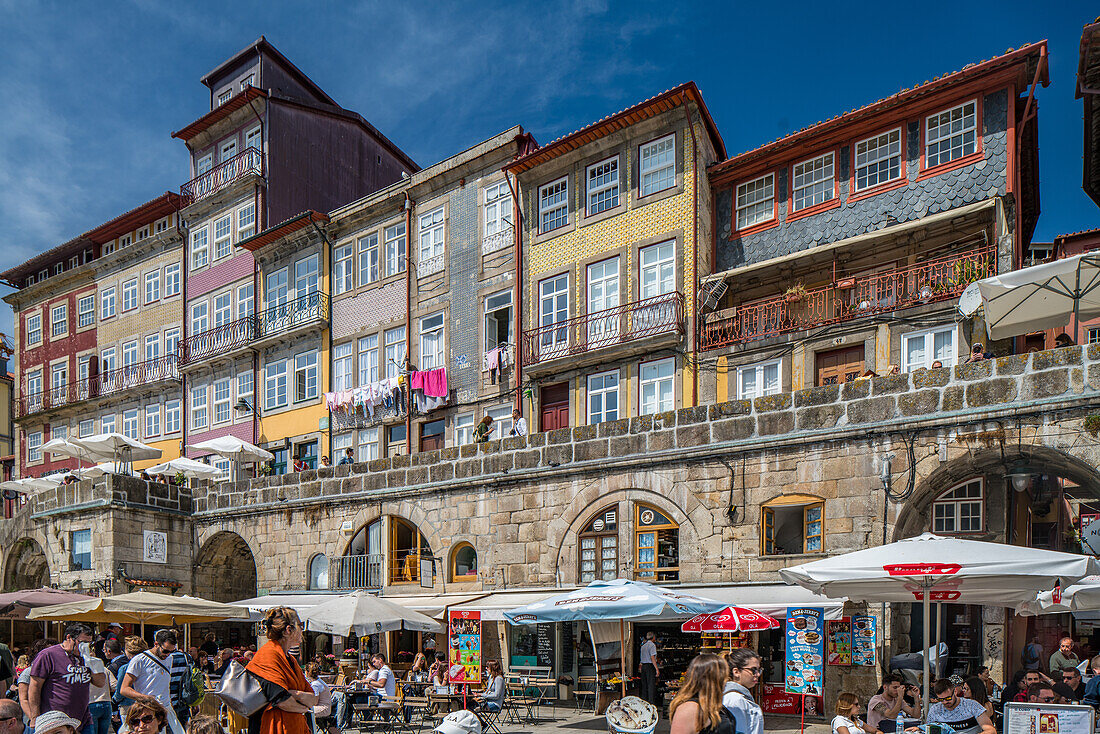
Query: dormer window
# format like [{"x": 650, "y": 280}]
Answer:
[
  {"x": 143, "y": 233},
  {"x": 248, "y": 81},
  {"x": 225, "y": 97},
  {"x": 58, "y": 268},
  {"x": 124, "y": 240}
]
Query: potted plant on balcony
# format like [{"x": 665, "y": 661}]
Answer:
[{"x": 795, "y": 293}]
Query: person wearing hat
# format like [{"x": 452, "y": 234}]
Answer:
[
  {"x": 458, "y": 722},
  {"x": 56, "y": 722}
]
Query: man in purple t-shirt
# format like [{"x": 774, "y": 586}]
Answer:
[{"x": 60, "y": 678}]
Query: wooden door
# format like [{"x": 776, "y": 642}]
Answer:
[
  {"x": 839, "y": 365},
  {"x": 554, "y": 400}
]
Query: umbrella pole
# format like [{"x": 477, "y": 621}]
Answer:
[
  {"x": 927, "y": 613},
  {"x": 939, "y": 626},
  {"x": 622, "y": 656}
]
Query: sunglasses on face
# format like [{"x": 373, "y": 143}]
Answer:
[
  {"x": 754, "y": 671},
  {"x": 147, "y": 719},
  {"x": 944, "y": 699}
]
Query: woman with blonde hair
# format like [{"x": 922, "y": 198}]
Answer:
[
  {"x": 289, "y": 695},
  {"x": 697, "y": 706},
  {"x": 847, "y": 719}
]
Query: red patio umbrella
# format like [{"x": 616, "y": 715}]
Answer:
[{"x": 730, "y": 619}]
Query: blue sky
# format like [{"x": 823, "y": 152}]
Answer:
[{"x": 93, "y": 90}]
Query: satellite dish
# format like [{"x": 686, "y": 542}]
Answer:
[{"x": 970, "y": 300}]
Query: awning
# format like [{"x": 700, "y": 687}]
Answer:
[
  {"x": 858, "y": 240},
  {"x": 432, "y": 605},
  {"x": 297, "y": 602},
  {"x": 771, "y": 599},
  {"x": 493, "y": 605}
]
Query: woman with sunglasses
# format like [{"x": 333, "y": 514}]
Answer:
[
  {"x": 289, "y": 696},
  {"x": 745, "y": 668},
  {"x": 146, "y": 717}
]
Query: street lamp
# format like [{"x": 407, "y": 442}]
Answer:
[{"x": 1020, "y": 474}]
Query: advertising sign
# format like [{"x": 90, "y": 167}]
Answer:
[
  {"x": 464, "y": 637},
  {"x": 778, "y": 701},
  {"x": 864, "y": 639},
  {"x": 838, "y": 641},
  {"x": 805, "y": 662},
  {"x": 1048, "y": 718}
]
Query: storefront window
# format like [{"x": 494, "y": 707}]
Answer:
[
  {"x": 464, "y": 566},
  {"x": 656, "y": 545},
  {"x": 599, "y": 548}
]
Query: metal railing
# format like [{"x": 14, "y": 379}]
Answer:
[
  {"x": 248, "y": 161},
  {"x": 617, "y": 325},
  {"x": 405, "y": 565},
  {"x": 312, "y": 306},
  {"x": 219, "y": 340},
  {"x": 105, "y": 383},
  {"x": 355, "y": 572},
  {"x": 851, "y": 298}
]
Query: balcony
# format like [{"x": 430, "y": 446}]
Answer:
[
  {"x": 498, "y": 241},
  {"x": 219, "y": 341},
  {"x": 582, "y": 335},
  {"x": 355, "y": 572},
  {"x": 852, "y": 298},
  {"x": 311, "y": 308},
  {"x": 124, "y": 378},
  {"x": 248, "y": 162}
]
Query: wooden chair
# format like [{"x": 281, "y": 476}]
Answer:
[{"x": 585, "y": 692}]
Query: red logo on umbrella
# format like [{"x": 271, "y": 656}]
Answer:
[
  {"x": 922, "y": 569},
  {"x": 730, "y": 619}
]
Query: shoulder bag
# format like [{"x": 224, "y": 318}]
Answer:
[{"x": 240, "y": 690}]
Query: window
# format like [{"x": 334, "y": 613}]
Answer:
[
  {"x": 306, "y": 276},
  {"x": 246, "y": 389},
  {"x": 922, "y": 348},
  {"x": 152, "y": 420},
  {"x": 656, "y": 545},
  {"x": 658, "y": 269},
  {"x": 59, "y": 381},
  {"x": 124, "y": 241},
  {"x": 394, "y": 351},
  {"x": 368, "y": 444},
  {"x": 498, "y": 319},
  {"x": 108, "y": 361},
  {"x": 813, "y": 182},
  {"x": 395, "y": 440},
  {"x": 341, "y": 367},
  {"x": 107, "y": 424},
  {"x": 152, "y": 286},
  {"x": 246, "y": 221},
  {"x": 394, "y": 240},
  {"x": 464, "y": 563},
  {"x": 34, "y": 329},
  {"x": 171, "y": 341},
  {"x": 131, "y": 424},
  {"x": 172, "y": 280},
  {"x": 223, "y": 236},
  {"x": 502, "y": 419},
  {"x": 658, "y": 164},
  {"x": 200, "y": 255},
  {"x": 277, "y": 289},
  {"x": 431, "y": 235},
  {"x": 81, "y": 550},
  {"x": 368, "y": 359},
  {"x": 85, "y": 311},
  {"x": 107, "y": 303},
  {"x": 58, "y": 430},
  {"x": 554, "y": 205},
  {"x": 223, "y": 309},
  {"x": 221, "y": 401},
  {"x": 603, "y": 397},
  {"x": 464, "y": 429},
  {"x": 431, "y": 435},
  {"x": 656, "y": 386},
  {"x": 756, "y": 380},
  {"x": 172, "y": 416},
  {"x": 74, "y": 261},
  {"x": 498, "y": 208},
  {"x": 1094, "y": 336},
  {"x": 247, "y": 82},
  {"x": 34, "y": 446},
  {"x": 756, "y": 201},
  {"x": 85, "y": 428},
  {"x": 225, "y": 97},
  {"x": 199, "y": 322},
  {"x": 204, "y": 164},
  {"x": 878, "y": 159},
  {"x": 198, "y": 407},
  {"x": 34, "y": 389},
  {"x": 152, "y": 347},
  {"x": 598, "y": 555},
  {"x": 431, "y": 342},
  {"x": 791, "y": 525},
  {"x": 227, "y": 150},
  {"x": 161, "y": 225},
  {"x": 143, "y": 233},
  {"x": 305, "y": 376},
  {"x": 130, "y": 353},
  {"x": 368, "y": 258},
  {"x": 342, "y": 442},
  {"x": 275, "y": 384},
  {"x": 554, "y": 309},
  {"x": 59, "y": 320},
  {"x": 603, "y": 186},
  {"x": 130, "y": 295},
  {"x": 253, "y": 140},
  {"x": 83, "y": 372},
  {"x": 318, "y": 572},
  {"x": 959, "y": 509},
  {"x": 603, "y": 295},
  {"x": 342, "y": 268},
  {"x": 951, "y": 134}
]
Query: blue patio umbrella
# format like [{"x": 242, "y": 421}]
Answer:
[{"x": 619, "y": 599}]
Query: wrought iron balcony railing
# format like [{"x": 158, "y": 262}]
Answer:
[
  {"x": 248, "y": 161},
  {"x": 355, "y": 572},
  {"x": 629, "y": 322},
  {"x": 850, "y": 298},
  {"x": 219, "y": 340},
  {"x": 286, "y": 316},
  {"x": 123, "y": 378}
]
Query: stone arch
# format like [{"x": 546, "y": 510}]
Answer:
[
  {"x": 26, "y": 566},
  {"x": 458, "y": 545},
  {"x": 225, "y": 568}
]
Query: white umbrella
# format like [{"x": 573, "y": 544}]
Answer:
[
  {"x": 933, "y": 568},
  {"x": 231, "y": 447},
  {"x": 1042, "y": 296},
  {"x": 188, "y": 467},
  {"x": 1083, "y": 596},
  {"x": 360, "y": 613},
  {"x": 115, "y": 446},
  {"x": 107, "y": 467}
]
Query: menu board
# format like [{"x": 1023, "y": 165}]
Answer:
[
  {"x": 864, "y": 639},
  {"x": 544, "y": 645},
  {"x": 805, "y": 662},
  {"x": 568, "y": 642},
  {"x": 464, "y": 638},
  {"x": 1047, "y": 718},
  {"x": 838, "y": 641}
]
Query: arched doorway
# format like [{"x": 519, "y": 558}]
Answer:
[
  {"x": 225, "y": 569},
  {"x": 26, "y": 567}
]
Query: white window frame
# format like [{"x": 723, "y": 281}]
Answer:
[
  {"x": 657, "y": 165},
  {"x": 813, "y": 181},
  {"x": 1094, "y": 335},
  {"x": 655, "y": 383},
  {"x": 393, "y": 350},
  {"x": 171, "y": 280},
  {"x": 498, "y": 208},
  {"x": 246, "y": 221},
  {"x": 367, "y": 359},
  {"x": 130, "y": 353},
  {"x": 554, "y": 205},
  {"x": 275, "y": 384},
  {"x": 342, "y": 366},
  {"x": 34, "y": 326},
  {"x": 759, "y": 370},
  {"x": 605, "y": 413},
  {"x": 944, "y": 509},
  {"x": 152, "y": 287},
  {"x": 223, "y": 236},
  {"x": 432, "y": 342},
  {"x": 152, "y": 420},
  {"x": 34, "y": 447},
  {"x": 107, "y": 303},
  {"x": 277, "y": 288},
  {"x": 502, "y": 419},
  {"x": 247, "y": 82},
  {"x": 755, "y": 201},
  {"x": 246, "y": 388},
  {"x": 343, "y": 267},
  {"x": 85, "y": 311},
  {"x": 204, "y": 164},
  {"x": 225, "y": 97},
  {"x": 431, "y": 234},
  {"x": 945, "y": 140},
  {"x": 929, "y": 336},
  {"x": 245, "y": 302},
  {"x": 131, "y": 424},
  {"x": 227, "y": 149},
  {"x": 885, "y": 150},
  {"x": 223, "y": 400},
  {"x": 200, "y": 251},
  {"x": 505, "y": 301},
  {"x": 602, "y": 196},
  {"x": 223, "y": 308},
  {"x": 253, "y": 139},
  {"x": 107, "y": 423},
  {"x": 130, "y": 298},
  {"x": 464, "y": 429},
  {"x": 59, "y": 320},
  {"x": 152, "y": 347},
  {"x": 395, "y": 244},
  {"x": 555, "y": 338},
  {"x": 171, "y": 341},
  {"x": 368, "y": 445},
  {"x": 307, "y": 276},
  {"x": 172, "y": 417},
  {"x": 200, "y": 317},
  {"x": 369, "y": 270},
  {"x": 85, "y": 428},
  {"x": 307, "y": 376}
]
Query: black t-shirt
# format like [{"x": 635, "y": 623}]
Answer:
[{"x": 209, "y": 647}]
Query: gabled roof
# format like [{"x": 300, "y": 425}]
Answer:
[
  {"x": 1030, "y": 57},
  {"x": 219, "y": 113},
  {"x": 632, "y": 115},
  {"x": 261, "y": 46},
  {"x": 1077, "y": 235},
  {"x": 282, "y": 229},
  {"x": 1088, "y": 89}
]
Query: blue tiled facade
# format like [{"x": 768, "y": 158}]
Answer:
[{"x": 976, "y": 182}]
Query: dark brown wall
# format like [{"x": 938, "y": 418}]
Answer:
[{"x": 283, "y": 84}]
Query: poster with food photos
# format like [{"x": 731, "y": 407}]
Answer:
[
  {"x": 864, "y": 639},
  {"x": 805, "y": 643},
  {"x": 838, "y": 641},
  {"x": 464, "y": 643}
]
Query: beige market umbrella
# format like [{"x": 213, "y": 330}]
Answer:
[{"x": 141, "y": 607}]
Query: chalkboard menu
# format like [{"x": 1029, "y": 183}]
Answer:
[
  {"x": 567, "y": 645},
  {"x": 544, "y": 645}
]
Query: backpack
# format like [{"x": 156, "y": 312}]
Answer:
[{"x": 193, "y": 687}]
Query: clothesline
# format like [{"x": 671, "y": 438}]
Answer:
[{"x": 427, "y": 391}]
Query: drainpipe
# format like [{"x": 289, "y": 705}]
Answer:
[
  {"x": 695, "y": 257},
  {"x": 408, "y": 319},
  {"x": 517, "y": 237},
  {"x": 183, "y": 325},
  {"x": 255, "y": 353},
  {"x": 325, "y": 265}
]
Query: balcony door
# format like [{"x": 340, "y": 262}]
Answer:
[
  {"x": 554, "y": 400},
  {"x": 276, "y": 297},
  {"x": 658, "y": 278},
  {"x": 839, "y": 365},
  {"x": 306, "y": 283},
  {"x": 603, "y": 294}
]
